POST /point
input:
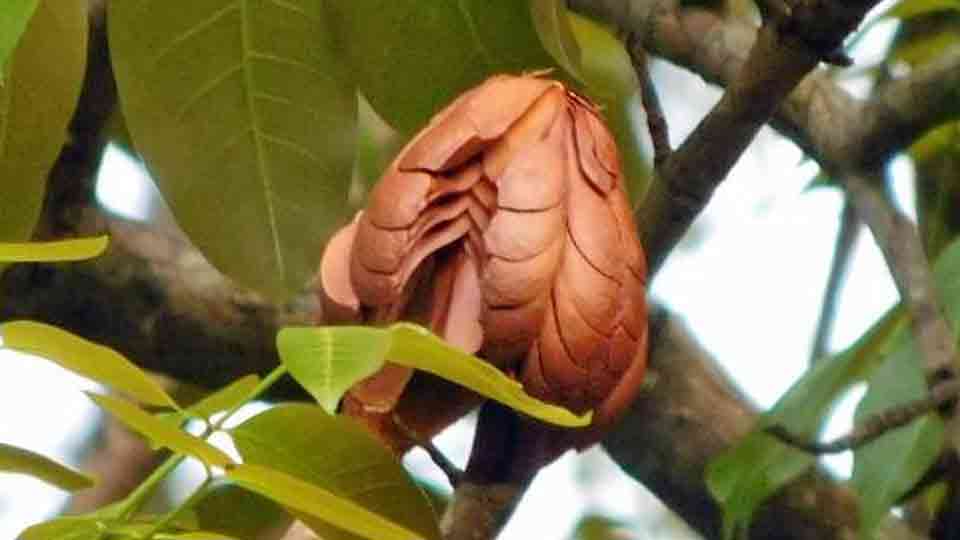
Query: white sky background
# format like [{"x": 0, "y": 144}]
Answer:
[{"x": 749, "y": 284}]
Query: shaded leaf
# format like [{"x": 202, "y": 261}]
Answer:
[
  {"x": 228, "y": 397},
  {"x": 19, "y": 460},
  {"x": 59, "y": 251},
  {"x": 888, "y": 467},
  {"x": 396, "y": 46},
  {"x": 195, "y": 535},
  {"x": 328, "y": 361},
  {"x": 553, "y": 26},
  {"x": 414, "y": 346},
  {"x": 245, "y": 114},
  {"x": 79, "y": 528},
  {"x": 49, "y": 61},
  {"x": 340, "y": 456},
  {"x": 233, "y": 511},
  {"x": 912, "y": 8},
  {"x": 13, "y": 21},
  {"x": 317, "y": 502},
  {"x": 160, "y": 432},
  {"x": 753, "y": 470},
  {"x": 96, "y": 362}
]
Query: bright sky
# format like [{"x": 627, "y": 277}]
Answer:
[{"x": 750, "y": 285}]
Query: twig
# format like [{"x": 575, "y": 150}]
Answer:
[
  {"x": 842, "y": 252},
  {"x": 656, "y": 121},
  {"x": 875, "y": 425},
  {"x": 902, "y": 249},
  {"x": 449, "y": 468}
]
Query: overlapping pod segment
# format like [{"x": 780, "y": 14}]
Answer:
[{"x": 505, "y": 226}]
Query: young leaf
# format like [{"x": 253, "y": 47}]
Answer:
[
  {"x": 13, "y": 21},
  {"x": 328, "y": 361},
  {"x": 888, "y": 467},
  {"x": 414, "y": 346},
  {"x": 19, "y": 460},
  {"x": 318, "y": 502},
  {"x": 160, "y": 432},
  {"x": 553, "y": 26},
  {"x": 233, "y": 511},
  {"x": 78, "y": 528},
  {"x": 396, "y": 46},
  {"x": 40, "y": 87},
  {"x": 85, "y": 358},
  {"x": 336, "y": 454},
  {"x": 59, "y": 251},
  {"x": 195, "y": 535},
  {"x": 224, "y": 399},
  {"x": 245, "y": 114}
]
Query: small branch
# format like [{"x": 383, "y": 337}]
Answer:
[
  {"x": 449, "y": 468},
  {"x": 842, "y": 253},
  {"x": 903, "y": 251},
  {"x": 656, "y": 120},
  {"x": 875, "y": 426}
]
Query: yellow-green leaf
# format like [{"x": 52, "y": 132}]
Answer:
[
  {"x": 912, "y": 8},
  {"x": 224, "y": 399},
  {"x": 19, "y": 460},
  {"x": 318, "y": 502},
  {"x": 59, "y": 251},
  {"x": 245, "y": 114},
  {"x": 414, "y": 346},
  {"x": 327, "y": 361},
  {"x": 85, "y": 358},
  {"x": 161, "y": 432},
  {"x": 13, "y": 21},
  {"x": 79, "y": 528},
  {"x": 41, "y": 84},
  {"x": 195, "y": 535},
  {"x": 339, "y": 455},
  {"x": 553, "y": 26}
]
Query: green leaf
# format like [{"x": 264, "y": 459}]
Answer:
[
  {"x": 412, "y": 57},
  {"x": 552, "y": 23},
  {"x": 226, "y": 398},
  {"x": 41, "y": 84},
  {"x": 340, "y": 456},
  {"x": 161, "y": 432},
  {"x": 912, "y": 8},
  {"x": 13, "y": 21},
  {"x": 19, "y": 460},
  {"x": 414, "y": 346},
  {"x": 195, "y": 535},
  {"x": 328, "y": 361},
  {"x": 245, "y": 114},
  {"x": 753, "y": 470},
  {"x": 233, "y": 511},
  {"x": 318, "y": 502},
  {"x": 59, "y": 251},
  {"x": 102, "y": 364},
  {"x": 888, "y": 467},
  {"x": 78, "y": 528}
]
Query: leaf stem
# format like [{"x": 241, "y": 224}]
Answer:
[
  {"x": 139, "y": 496},
  {"x": 265, "y": 384},
  {"x": 188, "y": 503}
]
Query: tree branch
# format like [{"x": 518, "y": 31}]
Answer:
[{"x": 842, "y": 252}]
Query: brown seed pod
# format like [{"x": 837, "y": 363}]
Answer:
[{"x": 504, "y": 226}]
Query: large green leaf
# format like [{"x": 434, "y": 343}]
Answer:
[
  {"x": 753, "y": 470},
  {"x": 414, "y": 346},
  {"x": 317, "y": 502},
  {"x": 340, "y": 456},
  {"x": 79, "y": 528},
  {"x": 245, "y": 114},
  {"x": 40, "y": 87},
  {"x": 327, "y": 361},
  {"x": 887, "y": 468},
  {"x": 85, "y": 358},
  {"x": 413, "y": 57},
  {"x": 19, "y": 460},
  {"x": 161, "y": 432},
  {"x": 552, "y": 23},
  {"x": 231, "y": 510},
  {"x": 13, "y": 21},
  {"x": 912, "y": 8},
  {"x": 59, "y": 251}
]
